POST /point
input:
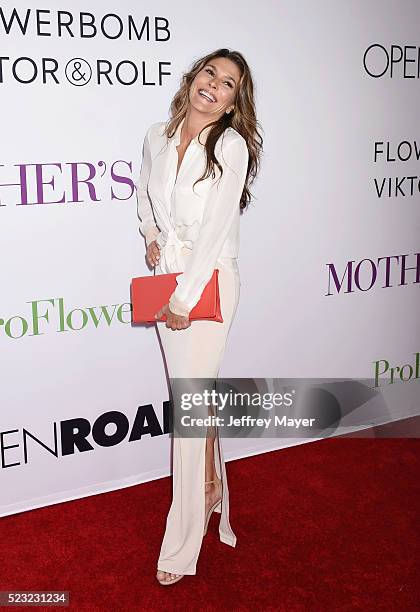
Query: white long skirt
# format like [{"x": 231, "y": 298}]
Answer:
[{"x": 196, "y": 352}]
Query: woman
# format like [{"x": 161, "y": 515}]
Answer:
[{"x": 191, "y": 189}]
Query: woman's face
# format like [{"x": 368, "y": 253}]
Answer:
[{"x": 219, "y": 78}]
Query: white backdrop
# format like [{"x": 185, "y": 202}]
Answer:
[{"x": 315, "y": 204}]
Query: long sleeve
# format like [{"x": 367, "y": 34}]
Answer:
[
  {"x": 147, "y": 225},
  {"x": 221, "y": 207}
]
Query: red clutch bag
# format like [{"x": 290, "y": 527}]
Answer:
[{"x": 150, "y": 293}]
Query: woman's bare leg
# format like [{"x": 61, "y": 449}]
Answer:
[{"x": 213, "y": 491}]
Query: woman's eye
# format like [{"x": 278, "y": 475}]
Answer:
[{"x": 211, "y": 72}]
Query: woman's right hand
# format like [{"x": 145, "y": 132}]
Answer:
[{"x": 153, "y": 253}]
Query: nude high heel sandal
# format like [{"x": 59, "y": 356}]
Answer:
[
  {"x": 171, "y": 581},
  {"x": 214, "y": 506}
]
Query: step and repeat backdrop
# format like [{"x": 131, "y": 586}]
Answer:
[{"x": 330, "y": 246}]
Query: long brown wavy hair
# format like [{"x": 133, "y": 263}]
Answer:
[{"x": 242, "y": 118}]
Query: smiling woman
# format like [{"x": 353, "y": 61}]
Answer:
[{"x": 192, "y": 187}]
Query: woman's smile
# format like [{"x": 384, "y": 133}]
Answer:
[{"x": 207, "y": 96}]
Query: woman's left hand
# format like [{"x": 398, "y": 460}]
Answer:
[{"x": 173, "y": 320}]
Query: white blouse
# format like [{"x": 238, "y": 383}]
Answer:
[{"x": 194, "y": 228}]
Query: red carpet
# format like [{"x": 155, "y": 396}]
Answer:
[{"x": 329, "y": 525}]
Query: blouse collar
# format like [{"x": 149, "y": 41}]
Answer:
[{"x": 203, "y": 137}]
